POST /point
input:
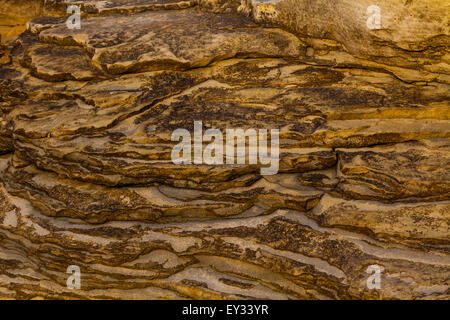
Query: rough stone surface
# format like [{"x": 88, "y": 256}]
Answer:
[{"x": 86, "y": 176}]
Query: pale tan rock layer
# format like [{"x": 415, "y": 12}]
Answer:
[{"x": 86, "y": 176}]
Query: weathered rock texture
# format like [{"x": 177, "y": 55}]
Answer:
[{"x": 86, "y": 176}]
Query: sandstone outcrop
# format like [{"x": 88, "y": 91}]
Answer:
[{"x": 86, "y": 176}]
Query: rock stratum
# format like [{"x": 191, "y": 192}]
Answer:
[{"x": 86, "y": 177}]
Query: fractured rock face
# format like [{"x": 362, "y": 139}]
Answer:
[
  {"x": 87, "y": 177},
  {"x": 409, "y": 34}
]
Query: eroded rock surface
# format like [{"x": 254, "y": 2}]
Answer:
[{"x": 86, "y": 176}]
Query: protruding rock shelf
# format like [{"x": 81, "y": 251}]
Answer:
[{"x": 86, "y": 176}]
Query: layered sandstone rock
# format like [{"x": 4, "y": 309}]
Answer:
[{"x": 86, "y": 176}]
